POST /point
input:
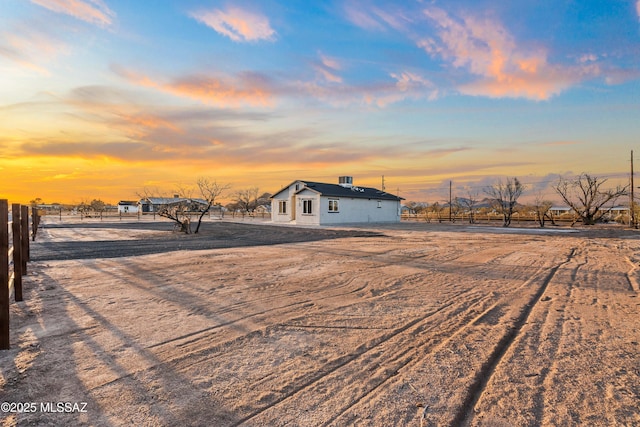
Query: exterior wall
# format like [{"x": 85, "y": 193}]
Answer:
[
  {"x": 287, "y": 195},
  {"x": 128, "y": 208},
  {"x": 359, "y": 211},
  {"x": 303, "y": 218},
  {"x": 276, "y": 216}
]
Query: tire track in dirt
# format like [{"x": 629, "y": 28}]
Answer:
[
  {"x": 403, "y": 359},
  {"x": 539, "y": 339},
  {"x": 292, "y": 321},
  {"x": 312, "y": 296},
  {"x": 581, "y": 342},
  {"x": 558, "y": 327},
  {"x": 466, "y": 412},
  {"x": 359, "y": 352},
  {"x": 404, "y": 339},
  {"x": 173, "y": 296},
  {"x": 430, "y": 346},
  {"x": 187, "y": 350}
]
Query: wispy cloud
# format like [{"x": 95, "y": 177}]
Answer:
[
  {"x": 91, "y": 11},
  {"x": 237, "y": 24},
  {"x": 252, "y": 89},
  {"x": 106, "y": 123},
  {"x": 328, "y": 69},
  {"x": 259, "y": 90},
  {"x": 408, "y": 85},
  {"x": 30, "y": 47},
  {"x": 332, "y": 87},
  {"x": 638, "y": 8},
  {"x": 370, "y": 17},
  {"x": 487, "y": 50}
]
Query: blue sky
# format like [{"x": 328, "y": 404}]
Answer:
[{"x": 103, "y": 98}]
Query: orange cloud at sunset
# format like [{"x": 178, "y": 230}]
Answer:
[
  {"x": 489, "y": 51},
  {"x": 249, "y": 89}
]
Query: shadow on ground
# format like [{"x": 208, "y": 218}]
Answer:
[{"x": 211, "y": 236}]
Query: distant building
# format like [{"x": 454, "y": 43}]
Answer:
[
  {"x": 316, "y": 203},
  {"x": 127, "y": 206},
  {"x": 153, "y": 204}
]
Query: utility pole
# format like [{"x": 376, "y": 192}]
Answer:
[
  {"x": 383, "y": 183},
  {"x": 632, "y": 216}
]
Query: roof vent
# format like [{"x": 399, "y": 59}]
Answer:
[{"x": 346, "y": 181}]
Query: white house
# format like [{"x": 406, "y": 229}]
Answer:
[
  {"x": 126, "y": 206},
  {"x": 316, "y": 203}
]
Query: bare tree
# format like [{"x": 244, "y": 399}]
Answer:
[
  {"x": 417, "y": 208},
  {"x": 182, "y": 206},
  {"x": 455, "y": 208},
  {"x": 179, "y": 211},
  {"x": 247, "y": 199},
  {"x": 585, "y": 196},
  {"x": 469, "y": 203},
  {"x": 264, "y": 201},
  {"x": 542, "y": 209},
  {"x": 412, "y": 206},
  {"x": 437, "y": 209},
  {"x": 210, "y": 191},
  {"x": 97, "y": 206},
  {"x": 504, "y": 197}
]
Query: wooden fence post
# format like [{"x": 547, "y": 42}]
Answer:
[
  {"x": 24, "y": 237},
  {"x": 4, "y": 275},
  {"x": 17, "y": 251},
  {"x": 35, "y": 222}
]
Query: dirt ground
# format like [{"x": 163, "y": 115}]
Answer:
[{"x": 129, "y": 323}]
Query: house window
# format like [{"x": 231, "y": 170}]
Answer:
[
  {"x": 306, "y": 207},
  {"x": 282, "y": 206},
  {"x": 333, "y": 206},
  {"x": 379, "y": 203}
]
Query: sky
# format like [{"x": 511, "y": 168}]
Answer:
[{"x": 110, "y": 99}]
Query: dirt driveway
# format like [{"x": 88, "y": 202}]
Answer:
[{"x": 253, "y": 324}]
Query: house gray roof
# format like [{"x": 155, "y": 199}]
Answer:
[{"x": 336, "y": 190}]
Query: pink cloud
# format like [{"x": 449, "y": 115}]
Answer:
[
  {"x": 488, "y": 51},
  {"x": 244, "y": 89},
  {"x": 237, "y": 24},
  {"x": 92, "y": 11},
  {"x": 638, "y": 8},
  {"x": 327, "y": 68}
]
